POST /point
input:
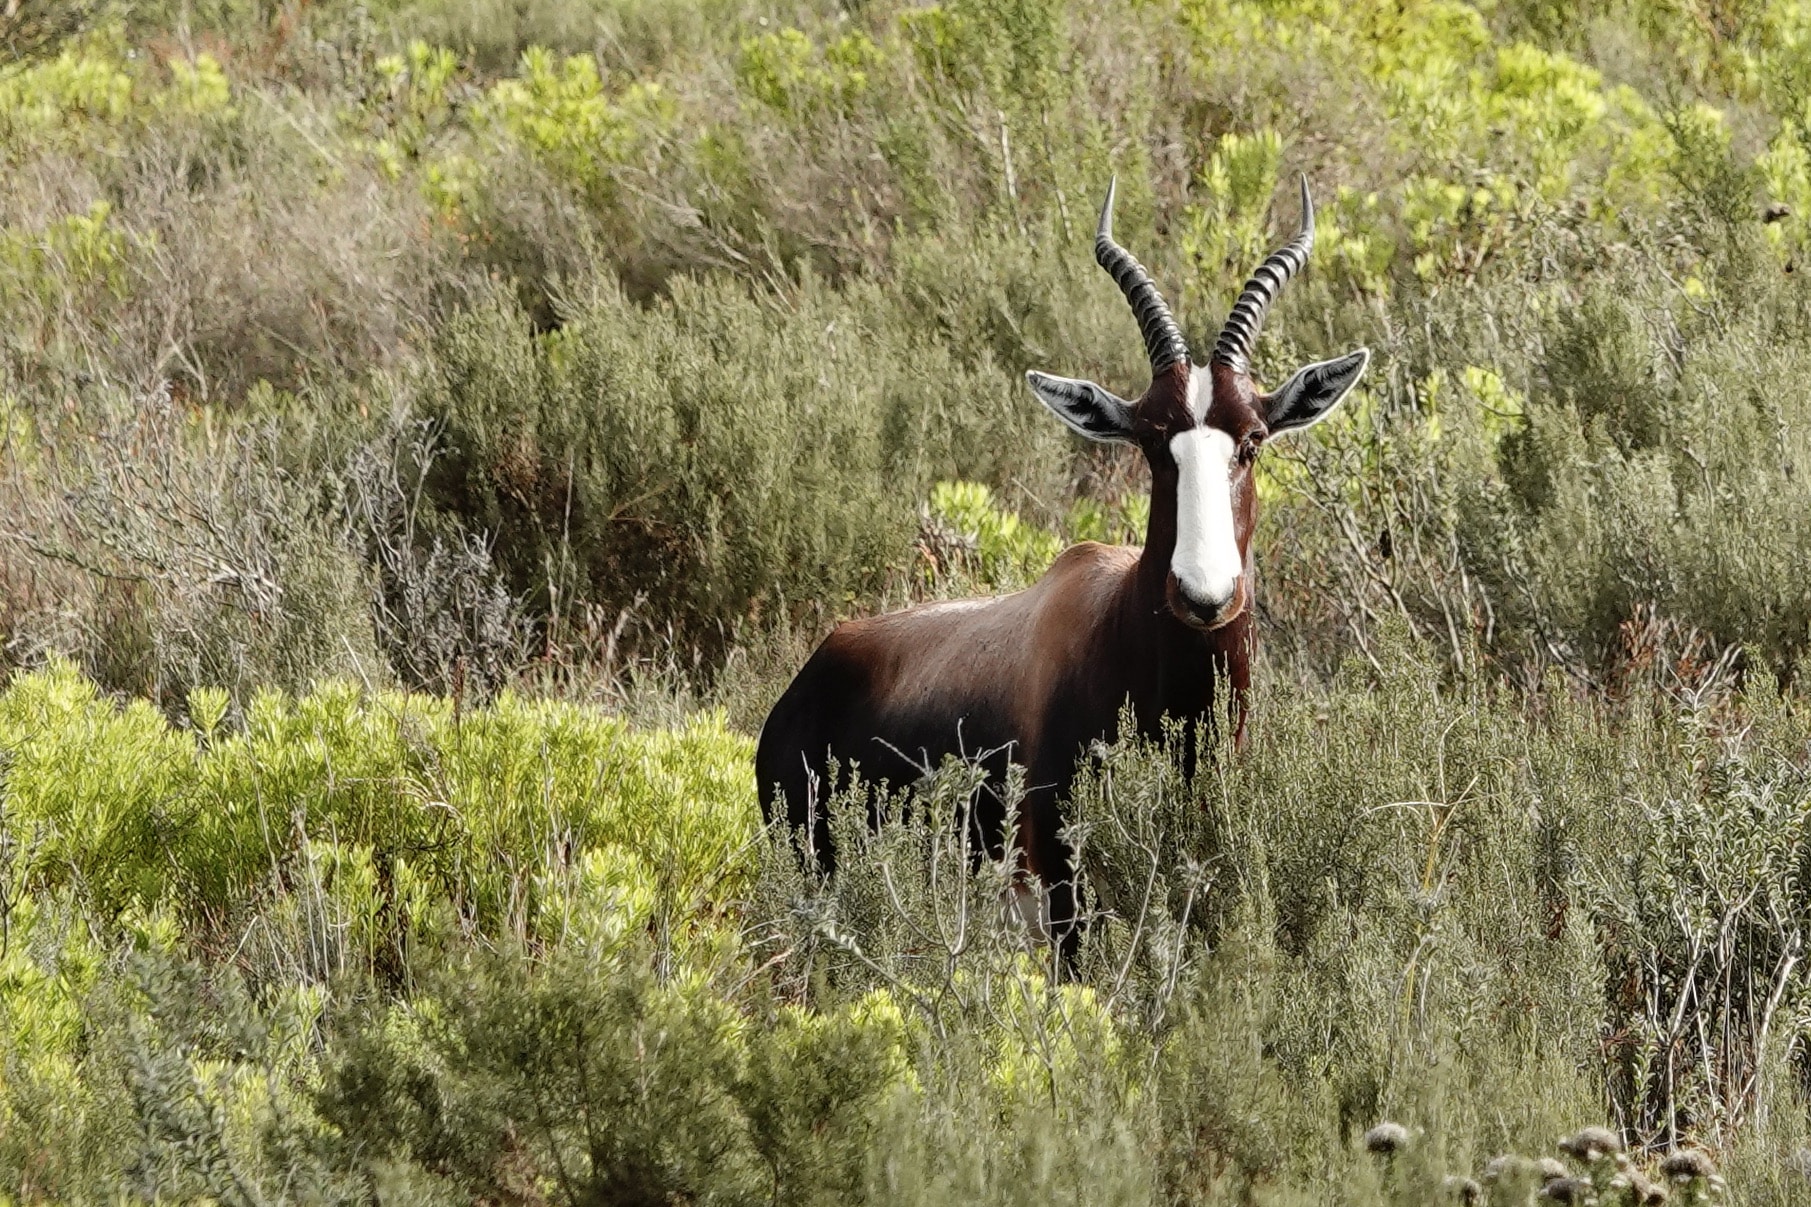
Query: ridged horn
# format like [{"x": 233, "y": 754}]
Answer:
[
  {"x": 1162, "y": 338},
  {"x": 1247, "y": 318}
]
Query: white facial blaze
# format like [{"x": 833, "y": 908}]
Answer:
[
  {"x": 1197, "y": 397},
  {"x": 1206, "y": 561}
]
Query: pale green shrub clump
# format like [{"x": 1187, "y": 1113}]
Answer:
[{"x": 416, "y": 822}]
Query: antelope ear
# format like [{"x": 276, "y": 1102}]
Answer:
[
  {"x": 1314, "y": 390},
  {"x": 1084, "y": 406}
]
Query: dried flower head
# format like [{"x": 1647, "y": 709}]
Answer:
[
  {"x": 1591, "y": 1144},
  {"x": 1688, "y": 1165},
  {"x": 1387, "y": 1139},
  {"x": 1568, "y": 1190},
  {"x": 1462, "y": 1189},
  {"x": 1552, "y": 1169}
]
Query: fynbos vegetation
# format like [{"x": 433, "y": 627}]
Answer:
[{"x": 432, "y": 431}]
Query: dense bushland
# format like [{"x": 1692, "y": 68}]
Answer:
[
  {"x": 385, "y": 386},
  {"x": 657, "y": 341},
  {"x": 368, "y": 945}
]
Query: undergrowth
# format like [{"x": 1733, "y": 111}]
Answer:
[{"x": 357, "y": 944}]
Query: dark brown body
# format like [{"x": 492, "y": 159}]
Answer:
[{"x": 1032, "y": 678}]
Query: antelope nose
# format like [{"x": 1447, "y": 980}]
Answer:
[
  {"x": 1206, "y": 604},
  {"x": 1210, "y": 599}
]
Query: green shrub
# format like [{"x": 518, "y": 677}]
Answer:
[
  {"x": 711, "y": 457},
  {"x": 587, "y": 1077},
  {"x": 188, "y": 558},
  {"x": 406, "y": 816}
]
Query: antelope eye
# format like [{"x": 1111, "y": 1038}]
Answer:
[{"x": 1248, "y": 448}]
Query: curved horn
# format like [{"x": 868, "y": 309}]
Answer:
[
  {"x": 1162, "y": 338},
  {"x": 1233, "y": 348}
]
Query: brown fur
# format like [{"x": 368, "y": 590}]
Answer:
[{"x": 1032, "y": 678}]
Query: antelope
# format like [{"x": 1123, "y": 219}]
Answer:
[{"x": 1036, "y": 677}]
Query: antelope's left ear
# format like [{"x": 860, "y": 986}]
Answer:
[
  {"x": 1313, "y": 391},
  {"x": 1084, "y": 406}
]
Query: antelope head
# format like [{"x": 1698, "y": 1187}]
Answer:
[{"x": 1201, "y": 426}]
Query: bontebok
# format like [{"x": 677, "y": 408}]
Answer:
[{"x": 1035, "y": 677}]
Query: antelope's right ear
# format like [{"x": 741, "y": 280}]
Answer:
[
  {"x": 1084, "y": 406},
  {"x": 1305, "y": 399}
]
